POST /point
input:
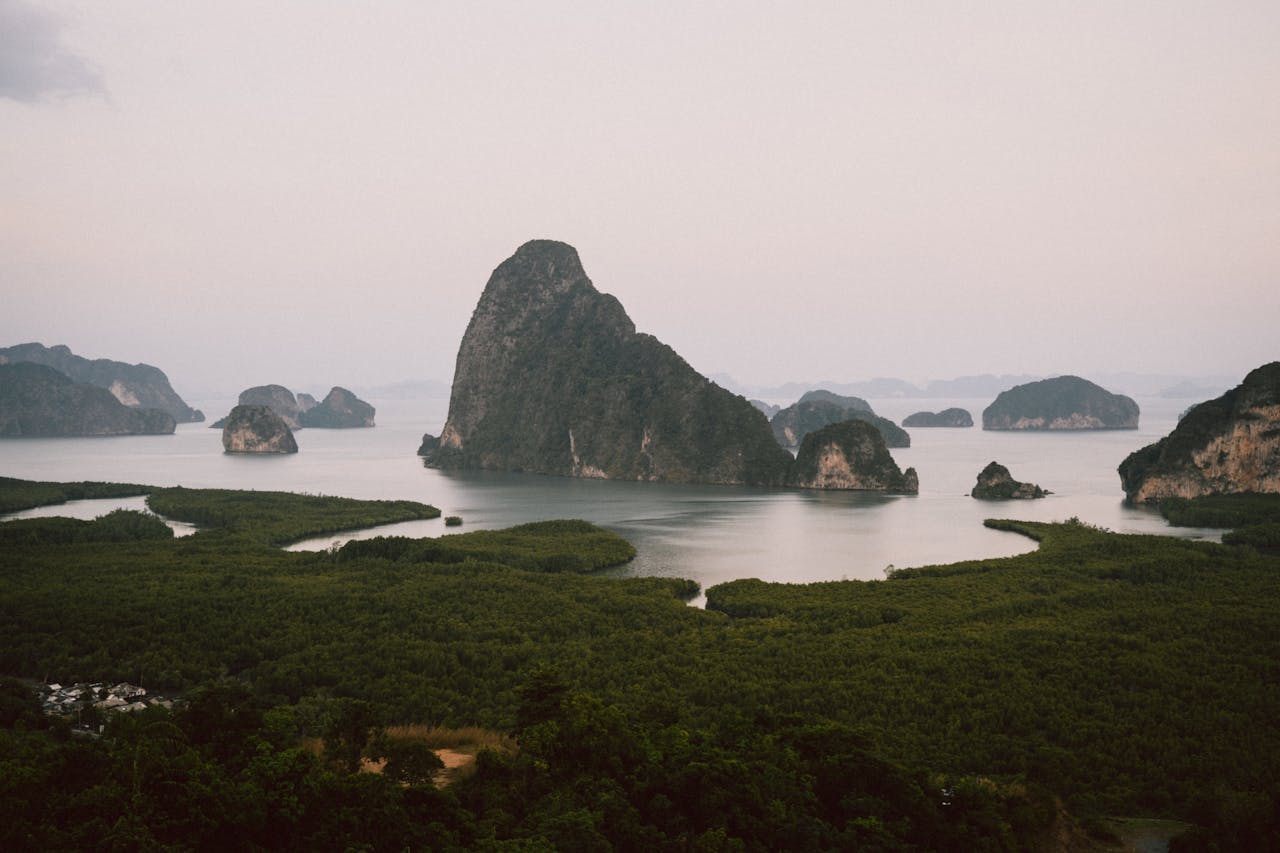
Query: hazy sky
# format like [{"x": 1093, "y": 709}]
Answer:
[{"x": 315, "y": 193}]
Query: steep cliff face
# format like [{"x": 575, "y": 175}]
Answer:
[
  {"x": 340, "y": 410},
  {"x": 1223, "y": 446},
  {"x": 1062, "y": 403},
  {"x": 140, "y": 386},
  {"x": 850, "y": 455},
  {"x": 996, "y": 483},
  {"x": 257, "y": 429},
  {"x": 553, "y": 378},
  {"x": 817, "y": 409},
  {"x": 36, "y": 400},
  {"x": 947, "y": 418}
]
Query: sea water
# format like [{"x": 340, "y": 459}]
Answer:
[{"x": 711, "y": 534}]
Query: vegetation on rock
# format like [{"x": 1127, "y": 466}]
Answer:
[
  {"x": 954, "y": 418},
  {"x": 1061, "y": 403}
]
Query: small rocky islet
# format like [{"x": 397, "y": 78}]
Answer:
[
  {"x": 996, "y": 483},
  {"x": 954, "y": 418}
]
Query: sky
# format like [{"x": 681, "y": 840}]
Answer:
[{"x": 315, "y": 193}]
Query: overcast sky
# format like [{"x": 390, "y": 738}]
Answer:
[{"x": 315, "y": 193}]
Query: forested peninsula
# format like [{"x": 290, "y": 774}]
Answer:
[{"x": 1014, "y": 704}]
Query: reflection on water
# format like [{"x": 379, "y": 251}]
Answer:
[{"x": 709, "y": 533}]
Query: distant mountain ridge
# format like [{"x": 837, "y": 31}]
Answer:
[{"x": 987, "y": 385}]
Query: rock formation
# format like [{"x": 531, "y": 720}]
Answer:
[
  {"x": 1222, "y": 446},
  {"x": 306, "y": 402},
  {"x": 275, "y": 397},
  {"x": 257, "y": 429},
  {"x": 430, "y": 443},
  {"x": 1062, "y": 403},
  {"x": 139, "y": 386},
  {"x": 37, "y": 400},
  {"x": 766, "y": 409},
  {"x": 850, "y": 455},
  {"x": 817, "y": 409},
  {"x": 853, "y": 404},
  {"x": 553, "y": 378},
  {"x": 945, "y": 418},
  {"x": 340, "y": 410},
  {"x": 995, "y": 483}
]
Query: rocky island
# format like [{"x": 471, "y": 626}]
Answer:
[
  {"x": 850, "y": 455},
  {"x": 257, "y": 429},
  {"x": 36, "y": 400},
  {"x": 1227, "y": 445},
  {"x": 1062, "y": 403},
  {"x": 817, "y": 409},
  {"x": 947, "y": 418},
  {"x": 277, "y": 398},
  {"x": 139, "y": 386},
  {"x": 553, "y": 378},
  {"x": 340, "y": 409},
  {"x": 996, "y": 483}
]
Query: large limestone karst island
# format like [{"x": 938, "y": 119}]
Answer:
[
  {"x": 36, "y": 400},
  {"x": 139, "y": 386},
  {"x": 553, "y": 378},
  {"x": 1061, "y": 403},
  {"x": 1223, "y": 446}
]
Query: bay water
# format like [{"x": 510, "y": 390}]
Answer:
[{"x": 711, "y": 534}]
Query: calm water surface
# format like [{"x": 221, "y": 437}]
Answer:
[{"x": 710, "y": 534}]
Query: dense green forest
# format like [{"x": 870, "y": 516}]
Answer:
[
  {"x": 957, "y": 707},
  {"x": 17, "y": 494}
]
